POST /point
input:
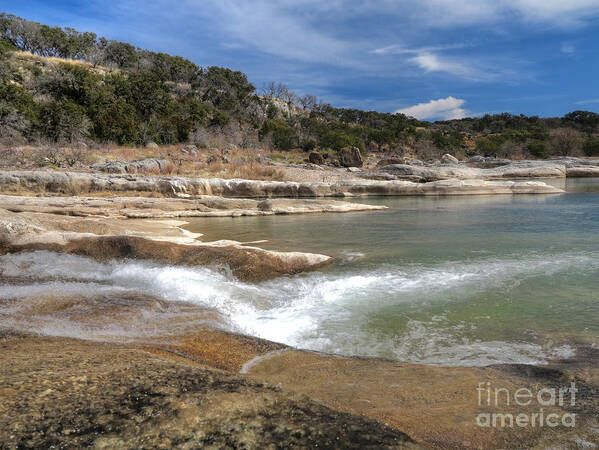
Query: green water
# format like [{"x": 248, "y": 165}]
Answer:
[{"x": 445, "y": 280}]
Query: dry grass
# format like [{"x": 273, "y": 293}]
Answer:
[
  {"x": 236, "y": 163},
  {"x": 249, "y": 171},
  {"x": 54, "y": 61}
]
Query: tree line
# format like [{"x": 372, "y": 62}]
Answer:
[{"x": 105, "y": 91}]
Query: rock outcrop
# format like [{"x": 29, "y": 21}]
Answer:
[
  {"x": 105, "y": 239},
  {"x": 487, "y": 162},
  {"x": 161, "y": 208},
  {"x": 151, "y": 165},
  {"x": 65, "y": 393},
  {"x": 350, "y": 157},
  {"x": 454, "y": 181},
  {"x": 522, "y": 169}
]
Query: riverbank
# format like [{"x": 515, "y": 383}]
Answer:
[{"x": 171, "y": 376}]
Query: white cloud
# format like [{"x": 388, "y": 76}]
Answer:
[
  {"x": 444, "y": 108},
  {"x": 452, "y": 13},
  {"x": 588, "y": 102},
  {"x": 398, "y": 49},
  {"x": 567, "y": 48},
  {"x": 432, "y": 62},
  {"x": 276, "y": 28}
]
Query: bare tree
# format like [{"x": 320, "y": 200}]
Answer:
[
  {"x": 269, "y": 90},
  {"x": 308, "y": 102},
  {"x": 511, "y": 149},
  {"x": 426, "y": 149},
  {"x": 565, "y": 142}
]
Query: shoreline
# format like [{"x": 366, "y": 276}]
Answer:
[{"x": 415, "y": 401}]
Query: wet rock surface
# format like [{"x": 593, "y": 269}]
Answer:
[{"x": 61, "y": 393}]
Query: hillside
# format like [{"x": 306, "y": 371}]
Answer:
[{"x": 68, "y": 87}]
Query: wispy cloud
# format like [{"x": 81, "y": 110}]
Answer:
[
  {"x": 588, "y": 102},
  {"x": 444, "y": 108},
  {"x": 398, "y": 49},
  {"x": 432, "y": 62},
  {"x": 276, "y": 28},
  {"x": 568, "y": 48},
  {"x": 452, "y": 13}
]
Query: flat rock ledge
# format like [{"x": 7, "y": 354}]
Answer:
[
  {"x": 148, "y": 207},
  {"x": 555, "y": 168},
  {"x": 75, "y": 183},
  {"x": 163, "y": 241}
]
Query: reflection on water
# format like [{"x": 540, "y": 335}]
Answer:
[{"x": 448, "y": 280}]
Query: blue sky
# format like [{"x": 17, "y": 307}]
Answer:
[{"x": 433, "y": 59}]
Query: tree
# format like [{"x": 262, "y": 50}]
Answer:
[
  {"x": 308, "y": 102},
  {"x": 283, "y": 136},
  {"x": 537, "y": 148},
  {"x": 590, "y": 147},
  {"x": 587, "y": 120},
  {"x": 66, "y": 122},
  {"x": 119, "y": 54},
  {"x": 565, "y": 142}
]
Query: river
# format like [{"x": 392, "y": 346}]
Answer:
[{"x": 470, "y": 280}]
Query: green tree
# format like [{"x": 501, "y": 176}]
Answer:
[
  {"x": 65, "y": 122},
  {"x": 590, "y": 146}
]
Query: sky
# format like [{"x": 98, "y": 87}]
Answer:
[{"x": 431, "y": 59}]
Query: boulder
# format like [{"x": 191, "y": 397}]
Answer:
[
  {"x": 151, "y": 145},
  {"x": 350, "y": 157},
  {"x": 476, "y": 159},
  {"x": 110, "y": 167},
  {"x": 315, "y": 158},
  {"x": 218, "y": 158},
  {"x": 449, "y": 159},
  {"x": 190, "y": 150},
  {"x": 143, "y": 165}
]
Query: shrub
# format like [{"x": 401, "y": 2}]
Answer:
[
  {"x": 489, "y": 145},
  {"x": 65, "y": 122},
  {"x": 537, "y": 148},
  {"x": 283, "y": 136},
  {"x": 337, "y": 140},
  {"x": 590, "y": 146}
]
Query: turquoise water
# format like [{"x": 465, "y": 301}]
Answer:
[{"x": 446, "y": 280}]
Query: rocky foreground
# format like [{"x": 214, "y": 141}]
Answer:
[
  {"x": 60, "y": 393},
  {"x": 212, "y": 389}
]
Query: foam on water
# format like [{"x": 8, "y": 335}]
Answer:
[{"x": 319, "y": 311}]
